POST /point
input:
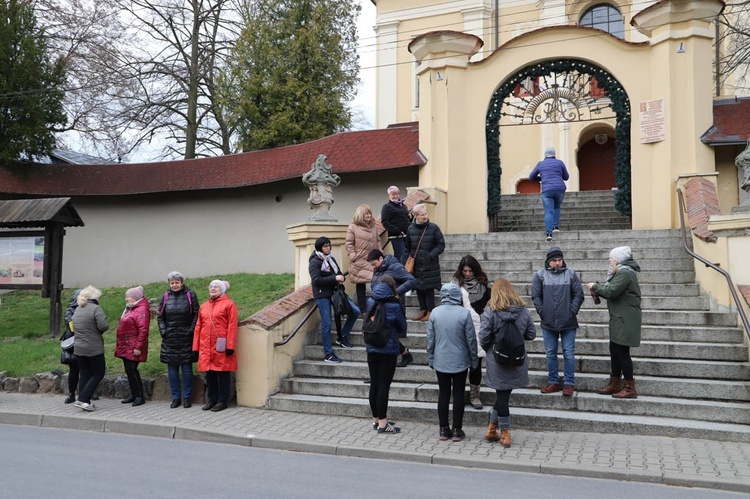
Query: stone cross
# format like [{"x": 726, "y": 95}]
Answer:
[
  {"x": 321, "y": 180},
  {"x": 743, "y": 162}
]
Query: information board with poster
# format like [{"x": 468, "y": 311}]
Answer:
[{"x": 21, "y": 260}]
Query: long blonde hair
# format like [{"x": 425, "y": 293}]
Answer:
[
  {"x": 503, "y": 296},
  {"x": 359, "y": 214}
]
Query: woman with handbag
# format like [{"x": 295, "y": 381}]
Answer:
[
  {"x": 214, "y": 342},
  {"x": 361, "y": 238},
  {"x": 67, "y": 356},
  {"x": 132, "y": 342},
  {"x": 424, "y": 245},
  {"x": 327, "y": 279},
  {"x": 504, "y": 305},
  {"x": 381, "y": 360}
]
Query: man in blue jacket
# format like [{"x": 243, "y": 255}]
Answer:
[
  {"x": 551, "y": 172},
  {"x": 557, "y": 296}
]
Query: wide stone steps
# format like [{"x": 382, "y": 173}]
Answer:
[
  {"x": 692, "y": 368},
  {"x": 702, "y": 410}
]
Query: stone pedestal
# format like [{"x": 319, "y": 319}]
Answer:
[{"x": 303, "y": 235}]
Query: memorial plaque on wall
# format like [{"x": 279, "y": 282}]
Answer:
[{"x": 651, "y": 119}]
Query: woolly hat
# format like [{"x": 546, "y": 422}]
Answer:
[
  {"x": 552, "y": 253},
  {"x": 175, "y": 275},
  {"x": 549, "y": 152},
  {"x": 223, "y": 285},
  {"x": 621, "y": 253},
  {"x": 135, "y": 293},
  {"x": 319, "y": 242}
]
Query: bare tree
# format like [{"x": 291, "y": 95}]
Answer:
[
  {"x": 732, "y": 64},
  {"x": 182, "y": 47},
  {"x": 89, "y": 36}
]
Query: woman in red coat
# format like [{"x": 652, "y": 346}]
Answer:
[
  {"x": 132, "y": 341},
  {"x": 214, "y": 342}
]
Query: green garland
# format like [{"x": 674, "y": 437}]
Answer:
[{"x": 620, "y": 104}]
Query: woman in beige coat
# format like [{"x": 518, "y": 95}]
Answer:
[{"x": 361, "y": 238}]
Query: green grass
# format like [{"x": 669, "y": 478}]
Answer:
[{"x": 27, "y": 349}]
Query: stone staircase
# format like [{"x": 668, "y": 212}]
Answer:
[
  {"x": 692, "y": 371},
  {"x": 587, "y": 210}
]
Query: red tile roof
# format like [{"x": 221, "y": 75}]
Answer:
[
  {"x": 349, "y": 152},
  {"x": 731, "y": 123}
]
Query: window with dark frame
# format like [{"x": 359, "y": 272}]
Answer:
[{"x": 605, "y": 17}]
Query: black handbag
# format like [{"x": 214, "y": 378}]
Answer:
[
  {"x": 68, "y": 357},
  {"x": 340, "y": 302}
]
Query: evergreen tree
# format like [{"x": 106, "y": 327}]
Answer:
[
  {"x": 31, "y": 85},
  {"x": 293, "y": 72}
]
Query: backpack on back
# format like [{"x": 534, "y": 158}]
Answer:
[
  {"x": 375, "y": 329},
  {"x": 509, "y": 349}
]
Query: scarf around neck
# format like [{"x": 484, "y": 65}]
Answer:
[
  {"x": 329, "y": 264},
  {"x": 475, "y": 289}
]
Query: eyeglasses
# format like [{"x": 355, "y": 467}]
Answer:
[
  {"x": 326, "y": 245},
  {"x": 214, "y": 286}
]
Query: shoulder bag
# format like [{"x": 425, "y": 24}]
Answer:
[{"x": 411, "y": 261}]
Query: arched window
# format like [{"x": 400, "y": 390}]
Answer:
[{"x": 604, "y": 17}]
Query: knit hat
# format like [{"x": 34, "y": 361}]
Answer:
[
  {"x": 135, "y": 293},
  {"x": 175, "y": 275},
  {"x": 223, "y": 285},
  {"x": 552, "y": 253},
  {"x": 319, "y": 242},
  {"x": 549, "y": 152},
  {"x": 621, "y": 253}
]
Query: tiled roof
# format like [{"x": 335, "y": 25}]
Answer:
[
  {"x": 731, "y": 123},
  {"x": 349, "y": 152}
]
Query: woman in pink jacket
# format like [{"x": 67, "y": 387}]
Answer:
[
  {"x": 132, "y": 341},
  {"x": 214, "y": 341}
]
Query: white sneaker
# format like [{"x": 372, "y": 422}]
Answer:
[{"x": 84, "y": 406}]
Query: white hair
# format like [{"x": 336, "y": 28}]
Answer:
[
  {"x": 86, "y": 294},
  {"x": 419, "y": 208},
  {"x": 393, "y": 189}
]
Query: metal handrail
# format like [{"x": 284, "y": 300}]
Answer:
[
  {"x": 714, "y": 266},
  {"x": 289, "y": 336}
]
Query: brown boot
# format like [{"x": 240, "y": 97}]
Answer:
[
  {"x": 505, "y": 437},
  {"x": 474, "y": 399},
  {"x": 426, "y": 317},
  {"x": 628, "y": 390},
  {"x": 419, "y": 316},
  {"x": 613, "y": 386},
  {"x": 491, "y": 435}
]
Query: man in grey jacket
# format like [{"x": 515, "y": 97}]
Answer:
[{"x": 557, "y": 296}]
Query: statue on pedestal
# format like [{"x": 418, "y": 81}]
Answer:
[
  {"x": 321, "y": 180},
  {"x": 743, "y": 162}
]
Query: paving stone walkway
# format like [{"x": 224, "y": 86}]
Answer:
[{"x": 674, "y": 461}]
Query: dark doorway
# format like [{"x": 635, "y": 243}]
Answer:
[
  {"x": 596, "y": 166},
  {"x": 528, "y": 187}
]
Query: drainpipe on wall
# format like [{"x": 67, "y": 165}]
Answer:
[
  {"x": 497, "y": 24},
  {"x": 717, "y": 75}
]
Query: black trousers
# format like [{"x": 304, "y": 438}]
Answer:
[
  {"x": 426, "y": 299},
  {"x": 134, "y": 378},
  {"x": 502, "y": 403},
  {"x": 475, "y": 375},
  {"x": 73, "y": 376},
  {"x": 622, "y": 364},
  {"x": 362, "y": 296},
  {"x": 92, "y": 372},
  {"x": 457, "y": 383},
  {"x": 217, "y": 387},
  {"x": 382, "y": 368}
]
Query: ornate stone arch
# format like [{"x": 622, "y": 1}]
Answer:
[{"x": 567, "y": 98}]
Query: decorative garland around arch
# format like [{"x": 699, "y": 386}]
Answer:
[{"x": 619, "y": 103}]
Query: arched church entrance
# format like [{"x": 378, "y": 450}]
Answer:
[
  {"x": 560, "y": 92},
  {"x": 596, "y": 161}
]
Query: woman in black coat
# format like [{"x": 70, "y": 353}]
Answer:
[
  {"x": 178, "y": 312},
  {"x": 427, "y": 255}
]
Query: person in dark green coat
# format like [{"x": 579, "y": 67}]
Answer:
[{"x": 623, "y": 295}]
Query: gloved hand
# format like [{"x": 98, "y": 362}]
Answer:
[
  {"x": 195, "y": 356},
  {"x": 230, "y": 352}
]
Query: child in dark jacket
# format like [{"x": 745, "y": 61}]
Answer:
[{"x": 381, "y": 361}]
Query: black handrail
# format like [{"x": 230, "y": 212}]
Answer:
[
  {"x": 714, "y": 266},
  {"x": 289, "y": 336}
]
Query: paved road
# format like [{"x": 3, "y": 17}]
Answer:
[
  {"x": 59, "y": 463},
  {"x": 637, "y": 458}
]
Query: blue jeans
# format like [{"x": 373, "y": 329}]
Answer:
[
  {"x": 173, "y": 371},
  {"x": 552, "y": 201},
  {"x": 324, "y": 307},
  {"x": 568, "y": 343},
  {"x": 398, "y": 248}
]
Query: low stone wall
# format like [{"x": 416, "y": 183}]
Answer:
[{"x": 113, "y": 387}]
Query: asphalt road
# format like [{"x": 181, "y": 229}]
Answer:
[{"x": 46, "y": 463}]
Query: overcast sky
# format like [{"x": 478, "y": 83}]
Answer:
[{"x": 364, "y": 103}]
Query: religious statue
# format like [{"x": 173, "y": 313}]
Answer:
[
  {"x": 321, "y": 180},
  {"x": 743, "y": 162}
]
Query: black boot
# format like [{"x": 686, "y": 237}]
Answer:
[
  {"x": 70, "y": 398},
  {"x": 138, "y": 401},
  {"x": 406, "y": 359},
  {"x": 175, "y": 404},
  {"x": 128, "y": 400}
]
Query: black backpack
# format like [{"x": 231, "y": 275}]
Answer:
[
  {"x": 509, "y": 349},
  {"x": 375, "y": 329}
]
